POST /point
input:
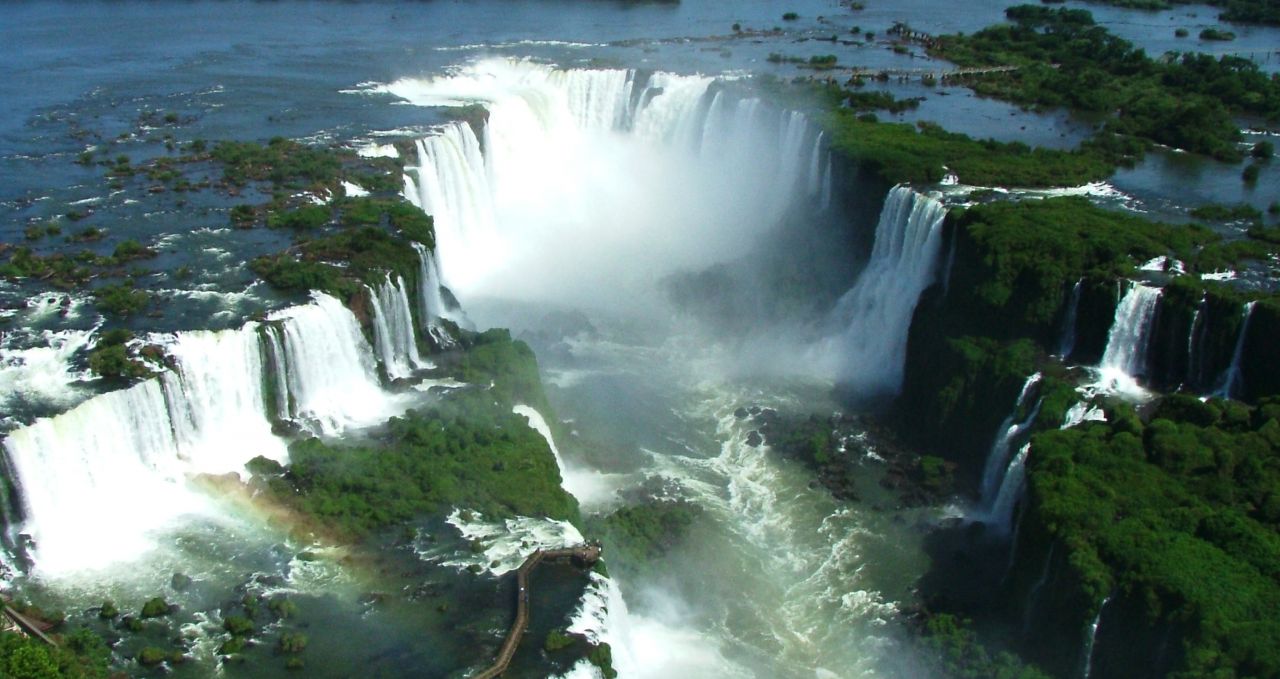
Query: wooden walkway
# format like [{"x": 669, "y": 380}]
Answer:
[
  {"x": 585, "y": 555},
  {"x": 24, "y": 625}
]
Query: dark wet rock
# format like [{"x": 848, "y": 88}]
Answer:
[
  {"x": 741, "y": 413},
  {"x": 754, "y": 439}
]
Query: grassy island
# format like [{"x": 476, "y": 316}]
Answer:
[{"x": 1064, "y": 59}]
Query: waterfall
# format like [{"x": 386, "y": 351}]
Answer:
[
  {"x": 949, "y": 265},
  {"x": 393, "y": 329},
  {"x": 1067, "y": 342},
  {"x": 431, "y": 300},
  {"x": 1125, "y": 357},
  {"x": 329, "y": 368},
  {"x": 1010, "y": 429},
  {"x": 97, "y": 481},
  {"x": 1194, "y": 339},
  {"x": 1033, "y": 594},
  {"x": 585, "y": 485},
  {"x": 215, "y": 400},
  {"x": 1091, "y": 639},
  {"x": 1229, "y": 382},
  {"x": 874, "y": 315},
  {"x": 583, "y": 177},
  {"x": 276, "y": 357},
  {"x": 1001, "y": 515}
]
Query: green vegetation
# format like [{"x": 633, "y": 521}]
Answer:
[
  {"x": 1065, "y": 59},
  {"x": 292, "y": 642},
  {"x": 1040, "y": 248},
  {"x": 958, "y": 652},
  {"x": 646, "y": 532},
  {"x": 902, "y": 153},
  {"x": 1217, "y": 212},
  {"x": 790, "y": 16},
  {"x": 557, "y": 640},
  {"x": 493, "y": 357},
  {"x": 1239, "y": 11},
  {"x": 303, "y": 219},
  {"x": 468, "y": 451},
  {"x": 880, "y": 100},
  {"x": 110, "y": 358},
  {"x": 1180, "y": 515},
  {"x": 155, "y": 608},
  {"x": 1261, "y": 150},
  {"x": 238, "y": 625},
  {"x": 1216, "y": 34},
  {"x": 283, "y": 162},
  {"x": 82, "y": 655},
  {"x": 120, "y": 299},
  {"x": 151, "y": 656},
  {"x": 602, "y": 657},
  {"x": 367, "y": 252}
]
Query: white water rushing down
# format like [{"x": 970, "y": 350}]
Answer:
[
  {"x": 586, "y": 183},
  {"x": 1125, "y": 357},
  {"x": 1009, "y": 431},
  {"x": 393, "y": 330},
  {"x": 102, "y": 482},
  {"x": 873, "y": 317}
]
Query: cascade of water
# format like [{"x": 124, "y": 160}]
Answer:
[
  {"x": 1067, "y": 341},
  {"x": 1125, "y": 357},
  {"x": 1090, "y": 639},
  {"x": 330, "y": 369},
  {"x": 947, "y": 266},
  {"x": 815, "y": 166},
  {"x": 1194, "y": 339},
  {"x": 1001, "y": 515},
  {"x": 279, "y": 369},
  {"x": 583, "y": 484},
  {"x": 875, "y": 314},
  {"x": 393, "y": 329},
  {"x": 431, "y": 300},
  {"x": 1010, "y": 429},
  {"x": 826, "y": 184},
  {"x": 1033, "y": 594},
  {"x": 454, "y": 187},
  {"x": 586, "y": 163},
  {"x": 1229, "y": 382},
  {"x": 215, "y": 400}
]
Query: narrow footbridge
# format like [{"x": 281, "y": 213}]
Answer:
[
  {"x": 17, "y": 622},
  {"x": 583, "y": 555}
]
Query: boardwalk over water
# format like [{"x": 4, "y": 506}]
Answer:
[
  {"x": 17, "y": 622},
  {"x": 585, "y": 555}
]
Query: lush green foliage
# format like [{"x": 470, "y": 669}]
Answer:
[
  {"x": 111, "y": 359},
  {"x": 902, "y": 153},
  {"x": 155, "y": 608},
  {"x": 469, "y": 451},
  {"x": 120, "y": 299},
  {"x": 959, "y": 653},
  {"x": 83, "y": 655},
  {"x": 1065, "y": 59},
  {"x": 1217, "y": 212},
  {"x": 1243, "y": 11},
  {"x": 281, "y": 161},
  {"x": 879, "y": 100},
  {"x": 645, "y": 532},
  {"x": 1034, "y": 250},
  {"x": 1182, "y": 514},
  {"x": 509, "y": 365},
  {"x": 304, "y": 218}
]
